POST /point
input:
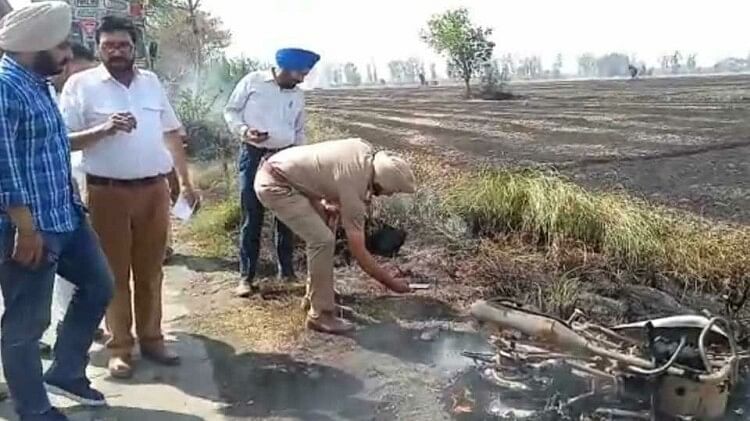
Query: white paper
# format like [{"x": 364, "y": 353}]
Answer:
[{"x": 182, "y": 209}]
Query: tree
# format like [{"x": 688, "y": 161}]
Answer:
[
  {"x": 557, "y": 67},
  {"x": 413, "y": 67},
  {"x": 508, "y": 66},
  {"x": 351, "y": 73},
  {"x": 587, "y": 65},
  {"x": 337, "y": 76},
  {"x": 676, "y": 62},
  {"x": 666, "y": 62},
  {"x": 433, "y": 72},
  {"x": 692, "y": 62},
  {"x": 225, "y": 72},
  {"x": 370, "y": 76},
  {"x": 613, "y": 64},
  {"x": 531, "y": 67},
  {"x": 466, "y": 46},
  {"x": 189, "y": 38},
  {"x": 397, "y": 70}
]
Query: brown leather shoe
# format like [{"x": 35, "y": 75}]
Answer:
[
  {"x": 120, "y": 367},
  {"x": 161, "y": 355},
  {"x": 328, "y": 323}
]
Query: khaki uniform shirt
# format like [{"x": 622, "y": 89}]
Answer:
[{"x": 338, "y": 171}]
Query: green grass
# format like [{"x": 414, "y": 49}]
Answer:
[
  {"x": 214, "y": 229},
  {"x": 552, "y": 212},
  {"x": 547, "y": 211}
]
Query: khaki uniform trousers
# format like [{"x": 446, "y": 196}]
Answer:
[{"x": 295, "y": 210}]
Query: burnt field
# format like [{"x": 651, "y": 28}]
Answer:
[{"x": 682, "y": 142}]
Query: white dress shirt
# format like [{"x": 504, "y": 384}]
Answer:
[
  {"x": 259, "y": 103},
  {"x": 76, "y": 157},
  {"x": 91, "y": 96}
]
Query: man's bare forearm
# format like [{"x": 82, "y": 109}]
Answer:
[
  {"x": 86, "y": 138},
  {"x": 358, "y": 249},
  {"x": 22, "y": 218}
]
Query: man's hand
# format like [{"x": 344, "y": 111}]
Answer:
[
  {"x": 331, "y": 212},
  {"x": 398, "y": 284},
  {"x": 358, "y": 249},
  {"x": 119, "y": 122},
  {"x": 174, "y": 186},
  {"x": 254, "y": 136},
  {"x": 28, "y": 250},
  {"x": 193, "y": 199}
]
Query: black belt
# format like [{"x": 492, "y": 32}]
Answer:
[
  {"x": 104, "y": 181},
  {"x": 266, "y": 151}
]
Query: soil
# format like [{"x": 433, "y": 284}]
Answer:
[{"x": 679, "y": 142}]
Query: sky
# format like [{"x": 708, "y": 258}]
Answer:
[
  {"x": 360, "y": 31},
  {"x": 356, "y": 30}
]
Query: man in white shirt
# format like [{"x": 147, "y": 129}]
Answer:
[
  {"x": 83, "y": 59},
  {"x": 266, "y": 112},
  {"x": 131, "y": 139}
]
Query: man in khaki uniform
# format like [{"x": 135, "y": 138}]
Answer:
[{"x": 304, "y": 186}]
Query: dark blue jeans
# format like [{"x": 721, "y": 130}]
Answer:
[
  {"x": 27, "y": 294},
  {"x": 252, "y": 221}
]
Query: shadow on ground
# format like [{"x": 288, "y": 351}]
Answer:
[
  {"x": 203, "y": 264},
  {"x": 111, "y": 413},
  {"x": 265, "y": 385}
]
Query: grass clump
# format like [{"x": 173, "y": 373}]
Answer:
[
  {"x": 553, "y": 212},
  {"x": 215, "y": 228}
]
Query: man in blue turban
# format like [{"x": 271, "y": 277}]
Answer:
[
  {"x": 294, "y": 65},
  {"x": 266, "y": 113}
]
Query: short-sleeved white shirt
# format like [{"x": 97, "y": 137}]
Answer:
[{"x": 91, "y": 96}]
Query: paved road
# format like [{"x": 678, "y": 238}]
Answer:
[{"x": 187, "y": 393}]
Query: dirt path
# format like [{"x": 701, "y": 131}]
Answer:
[
  {"x": 397, "y": 366},
  {"x": 187, "y": 393},
  {"x": 678, "y": 141}
]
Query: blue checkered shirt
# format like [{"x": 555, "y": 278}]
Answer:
[{"x": 34, "y": 152}]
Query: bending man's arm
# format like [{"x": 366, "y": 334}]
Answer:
[
  {"x": 353, "y": 214},
  {"x": 357, "y": 246}
]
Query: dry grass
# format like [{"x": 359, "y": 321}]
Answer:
[
  {"x": 317, "y": 129},
  {"x": 553, "y": 213},
  {"x": 214, "y": 228},
  {"x": 567, "y": 223},
  {"x": 265, "y": 326}
]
